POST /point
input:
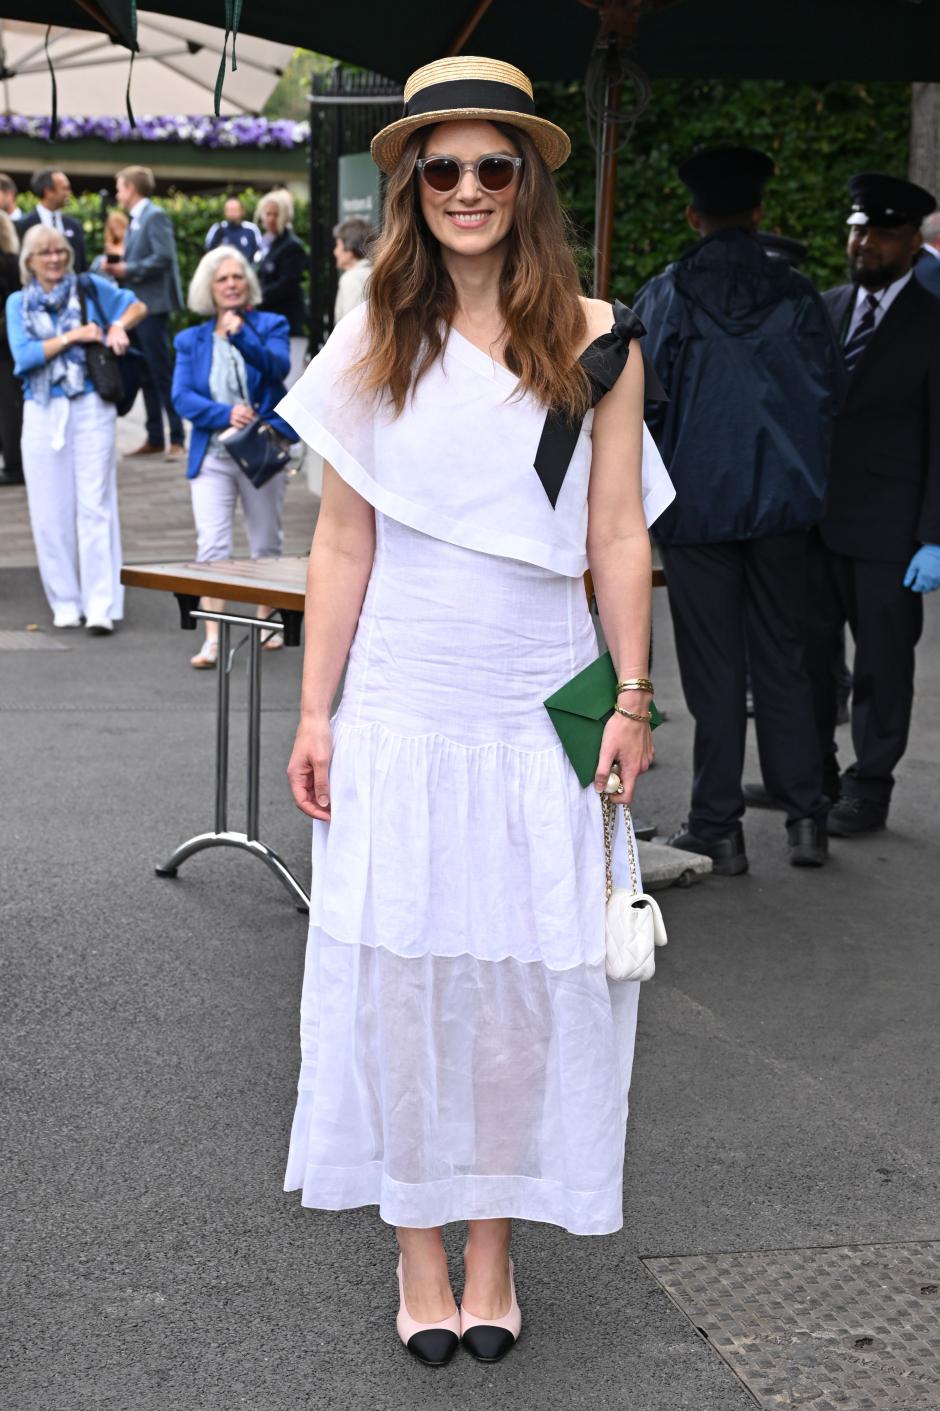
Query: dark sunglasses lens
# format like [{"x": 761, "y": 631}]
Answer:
[
  {"x": 441, "y": 173},
  {"x": 496, "y": 173}
]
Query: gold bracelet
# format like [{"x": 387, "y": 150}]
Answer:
[
  {"x": 635, "y": 683},
  {"x": 633, "y": 715}
]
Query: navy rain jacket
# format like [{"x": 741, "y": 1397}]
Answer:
[{"x": 746, "y": 352}]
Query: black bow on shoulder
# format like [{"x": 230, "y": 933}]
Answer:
[{"x": 603, "y": 361}]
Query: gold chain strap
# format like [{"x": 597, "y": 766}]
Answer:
[{"x": 607, "y": 807}]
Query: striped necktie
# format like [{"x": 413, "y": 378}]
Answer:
[{"x": 862, "y": 336}]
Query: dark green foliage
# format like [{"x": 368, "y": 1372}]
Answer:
[{"x": 818, "y": 134}]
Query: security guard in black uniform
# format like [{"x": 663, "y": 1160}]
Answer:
[
  {"x": 877, "y": 550},
  {"x": 746, "y": 353}
]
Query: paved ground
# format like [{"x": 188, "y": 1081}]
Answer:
[{"x": 785, "y": 1090}]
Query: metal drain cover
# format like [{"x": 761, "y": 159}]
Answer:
[
  {"x": 855, "y": 1328},
  {"x": 29, "y": 642}
]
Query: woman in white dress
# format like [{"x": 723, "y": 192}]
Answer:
[{"x": 463, "y": 1055}]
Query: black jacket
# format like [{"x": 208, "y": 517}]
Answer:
[
  {"x": 747, "y": 356},
  {"x": 884, "y": 493},
  {"x": 9, "y": 281},
  {"x": 73, "y": 232},
  {"x": 281, "y": 271}
]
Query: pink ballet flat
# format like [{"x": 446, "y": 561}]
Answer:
[
  {"x": 432, "y": 1343},
  {"x": 489, "y": 1339}
]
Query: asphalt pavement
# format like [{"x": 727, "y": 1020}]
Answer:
[{"x": 784, "y": 1095}]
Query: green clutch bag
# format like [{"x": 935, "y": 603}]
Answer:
[{"x": 581, "y": 709}]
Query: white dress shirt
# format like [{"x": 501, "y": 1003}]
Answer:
[
  {"x": 885, "y": 297},
  {"x": 137, "y": 211},
  {"x": 50, "y": 219}
]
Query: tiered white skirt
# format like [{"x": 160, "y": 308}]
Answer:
[{"x": 463, "y": 1054}]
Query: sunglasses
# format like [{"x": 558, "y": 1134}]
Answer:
[{"x": 493, "y": 173}]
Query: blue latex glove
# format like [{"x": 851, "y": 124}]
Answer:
[{"x": 923, "y": 571}]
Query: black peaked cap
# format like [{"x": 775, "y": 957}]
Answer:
[
  {"x": 887, "y": 201},
  {"x": 726, "y": 180}
]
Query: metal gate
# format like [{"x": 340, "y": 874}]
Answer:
[{"x": 347, "y": 108}]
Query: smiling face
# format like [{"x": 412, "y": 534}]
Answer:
[
  {"x": 49, "y": 261},
  {"x": 229, "y": 286},
  {"x": 468, "y": 220}
]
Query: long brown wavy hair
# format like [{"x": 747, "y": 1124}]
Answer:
[{"x": 412, "y": 300}]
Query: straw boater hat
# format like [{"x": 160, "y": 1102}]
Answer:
[{"x": 464, "y": 87}]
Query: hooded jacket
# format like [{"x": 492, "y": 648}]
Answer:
[{"x": 747, "y": 355}]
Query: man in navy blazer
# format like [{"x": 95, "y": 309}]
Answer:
[
  {"x": 151, "y": 269},
  {"x": 877, "y": 551},
  {"x": 54, "y": 190},
  {"x": 927, "y": 268}
]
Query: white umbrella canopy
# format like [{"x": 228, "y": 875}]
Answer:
[{"x": 174, "y": 72}]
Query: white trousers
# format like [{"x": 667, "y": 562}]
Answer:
[
  {"x": 216, "y": 490},
  {"x": 70, "y": 467}
]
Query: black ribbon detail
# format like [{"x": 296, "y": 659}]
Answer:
[
  {"x": 603, "y": 361},
  {"x": 469, "y": 93}
]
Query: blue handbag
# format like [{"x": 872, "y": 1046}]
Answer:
[{"x": 258, "y": 450}]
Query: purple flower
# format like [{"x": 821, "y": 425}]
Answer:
[{"x": 202, "y": 131}]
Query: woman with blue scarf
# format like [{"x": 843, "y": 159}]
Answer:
[{"x": 68, "y": 445}]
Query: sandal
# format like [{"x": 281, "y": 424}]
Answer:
[
  {"x": 272, "y": 641},
  {"x": 207, "y": 658}
]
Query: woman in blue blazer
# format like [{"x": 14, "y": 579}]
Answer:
[{"x": 230, "y": 370}]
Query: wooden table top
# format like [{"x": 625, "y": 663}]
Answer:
[{"x": 278, "y": 583}]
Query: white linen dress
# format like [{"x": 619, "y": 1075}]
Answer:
[{"x": 463, "y": 1054}]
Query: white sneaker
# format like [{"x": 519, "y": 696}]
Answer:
[
  {"x": 66, "y": 617},
  {"x": 100, "y": 627}
]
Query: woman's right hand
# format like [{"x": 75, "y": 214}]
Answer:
[
  {"x": 241, "y": 415},
  {"x": 86, "y": 333},
  {"x": 309, "y": 768}
]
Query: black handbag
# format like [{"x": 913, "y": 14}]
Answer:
[
  {"x": 111, "y": 376},
  {"x": 258, "y": 450}
]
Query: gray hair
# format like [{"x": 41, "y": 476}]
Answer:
[
  {"x": 28, "y": 248},
  {"x": 9, "y": 240},
  {"x": 930, "y": 229},
  {"x": 285, "y": 209},
  {"x": 356, "y": 235},
  {"x": 199, "y": 298}
]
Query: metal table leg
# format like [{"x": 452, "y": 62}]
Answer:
[{"x": 223, "y": 836}]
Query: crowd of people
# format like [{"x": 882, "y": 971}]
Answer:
[{"x": 59, "y": 402}]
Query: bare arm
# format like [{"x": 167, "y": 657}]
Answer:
[
  {"x": 340, "y": 564},
  {"x": 619, "y": 555}
]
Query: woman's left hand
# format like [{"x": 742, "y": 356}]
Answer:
[
  {"x": 630, "y": 744},
  {"x": 118, "y": 340},
  {"x": 230, "y": 323}
]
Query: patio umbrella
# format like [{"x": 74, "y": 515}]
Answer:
[
  {"x": 175, "y": 69},
  {"x": 552, "y": 39},
  {"x": 623, "y": 41}
]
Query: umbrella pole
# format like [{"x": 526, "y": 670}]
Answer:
[
  {"x": 469, "y": 25},
  {"x": 607, "y": 174}
]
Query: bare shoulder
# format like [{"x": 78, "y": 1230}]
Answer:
[{"x": 600, "y": 318}]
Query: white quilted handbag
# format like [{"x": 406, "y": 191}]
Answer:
[{"x": 634, "y": 921}]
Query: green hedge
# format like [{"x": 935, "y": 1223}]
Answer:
[
  {"x": 191, "y": 215},
  {"x": 818, "y": 134}
]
